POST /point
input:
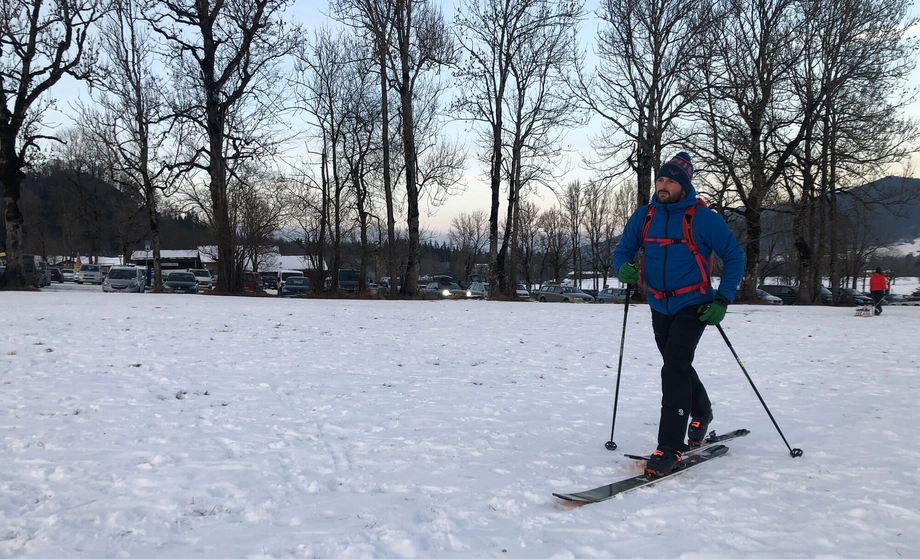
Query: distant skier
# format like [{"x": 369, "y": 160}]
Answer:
[
  {"x": 878, "y": 286},
  {"x": 679, "y": 236}
]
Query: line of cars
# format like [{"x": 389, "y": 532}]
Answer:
[
  {"x": 897, "y": 300},
  {"x": 789, "y": 294},
  {"x": 444, "y": 287},
  {"x": 553, "y": 293}
]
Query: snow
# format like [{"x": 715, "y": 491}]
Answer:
[{"x": 244, "y": 427}]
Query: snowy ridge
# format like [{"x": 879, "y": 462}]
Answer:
[{"x": 149, "y": 426}]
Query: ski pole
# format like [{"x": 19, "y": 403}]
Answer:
[
  {"x": 794, "y": 452},
  {"x": 610, "y": 445}
]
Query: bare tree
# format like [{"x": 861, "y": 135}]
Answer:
[
  {"x": 422, "y": 44},
  {"x": 855, "y": 58},
  {"x": 226, "y": 61},
  {"x": 571, "y": 205},
  {"x": 554, "y": 243},
  {"x": 503, "y": 41},
  {"x": 376, "y": 18},
  {"x": 540, "y": 112},
  {"x": 596, "y": 212},
  {"x": 259, "y": 207},
  {"x": 333, "y": 89},
  {"x": 40, "y": 43},
  {"x": 469, "y": 233},
  {"x": 644, "y": 83},
  {"x": 359, "y": 148},
  {"x": 622, "y": 206},
  {"x": 441, "y": 160},
  {"x": 306, "y": 203},
  {"x": 752, "y": 123},
  {"x": 528, "y": 236},
  {"x": 130, "y": 116}
]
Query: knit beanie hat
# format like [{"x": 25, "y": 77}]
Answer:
[{"x": 680, "y": 169}]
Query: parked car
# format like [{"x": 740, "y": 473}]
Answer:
[
  {"x": 68, "y": 274},
  {"x": 787, "y": 293},
  {"x": 32, "y": 270},
  {"x": 44, "y": 273},
  {"x": 436, "y": 290},
  {"x": 478, "y": 290},
  {"x": 349, "y": 279},
  {"x": 203, "y": 277},
  {"x": 124, "y": 279},
  {"x": 181, "y": 282},
  {"x": 521, "y": 291},
  {"x": 911, "y": 301},
  {"x": 252, "y": 281},
  {"x": 611, "y": 295},
  {"x": 893, "y": 299},
  {"x": 767, "y": 298},
  {"x": 563, "y": 294},
  {"x": 295, "y": 285},
  {"x": 56, "y": 275},
  {"x": 89, "y": 273},
  {"x": 849, "y": 296},
  {"x": 269, "y": 281},
  {"x": 384, "y": 287}
]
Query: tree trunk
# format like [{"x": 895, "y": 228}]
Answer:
[
  {"x": 227, "y": 279},
  {"x": 403, "y": 12},
  {"x": 833, "y": 268},
  {"x": 495, "y": 183},
  {"x": 387, "y": 180},
  {"x": 754, "y": 229},
  {"x": 11, "y": 177}
]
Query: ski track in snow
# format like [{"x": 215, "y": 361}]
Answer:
[{"x": 157, "y": 426}]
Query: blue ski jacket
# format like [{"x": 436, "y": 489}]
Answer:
[{"x": 673, "y": 267}]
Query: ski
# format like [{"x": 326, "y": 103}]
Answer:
[
  {"x": 709, "y": 442},
  {"x": 605, "y": 492}
]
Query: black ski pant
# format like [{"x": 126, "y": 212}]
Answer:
[
  {"x": 877, "y": 298},
  {"x": 682, "y": 394}
]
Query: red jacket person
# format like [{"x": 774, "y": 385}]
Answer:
[{"x": 878, "y": 286}]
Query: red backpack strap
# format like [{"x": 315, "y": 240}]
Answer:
[
  {"x": 691, "y": 244},
  {"x": 645, "y": 225}
]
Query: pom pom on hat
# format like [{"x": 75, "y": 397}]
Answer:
[{"x": 680, "y": 169}]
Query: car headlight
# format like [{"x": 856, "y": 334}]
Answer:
[
  {"x": 446, "y": 293},
  {"x": 469, "y": 293}
]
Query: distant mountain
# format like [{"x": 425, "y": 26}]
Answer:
[{"x": 891, "y": 206}]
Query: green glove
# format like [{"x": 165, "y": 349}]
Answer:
[
  {"x": 628, "y": 273},
  {"x": 713, "y": 313}
]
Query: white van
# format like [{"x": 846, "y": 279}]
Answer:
[{"x": 283, "y": 275}]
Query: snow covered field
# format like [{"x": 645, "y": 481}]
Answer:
[{"x": 169, "y": 426}]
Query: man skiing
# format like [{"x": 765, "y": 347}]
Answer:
[
  {"x": 679, "y": 235},
  {"x": 878, "y": 285}
]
